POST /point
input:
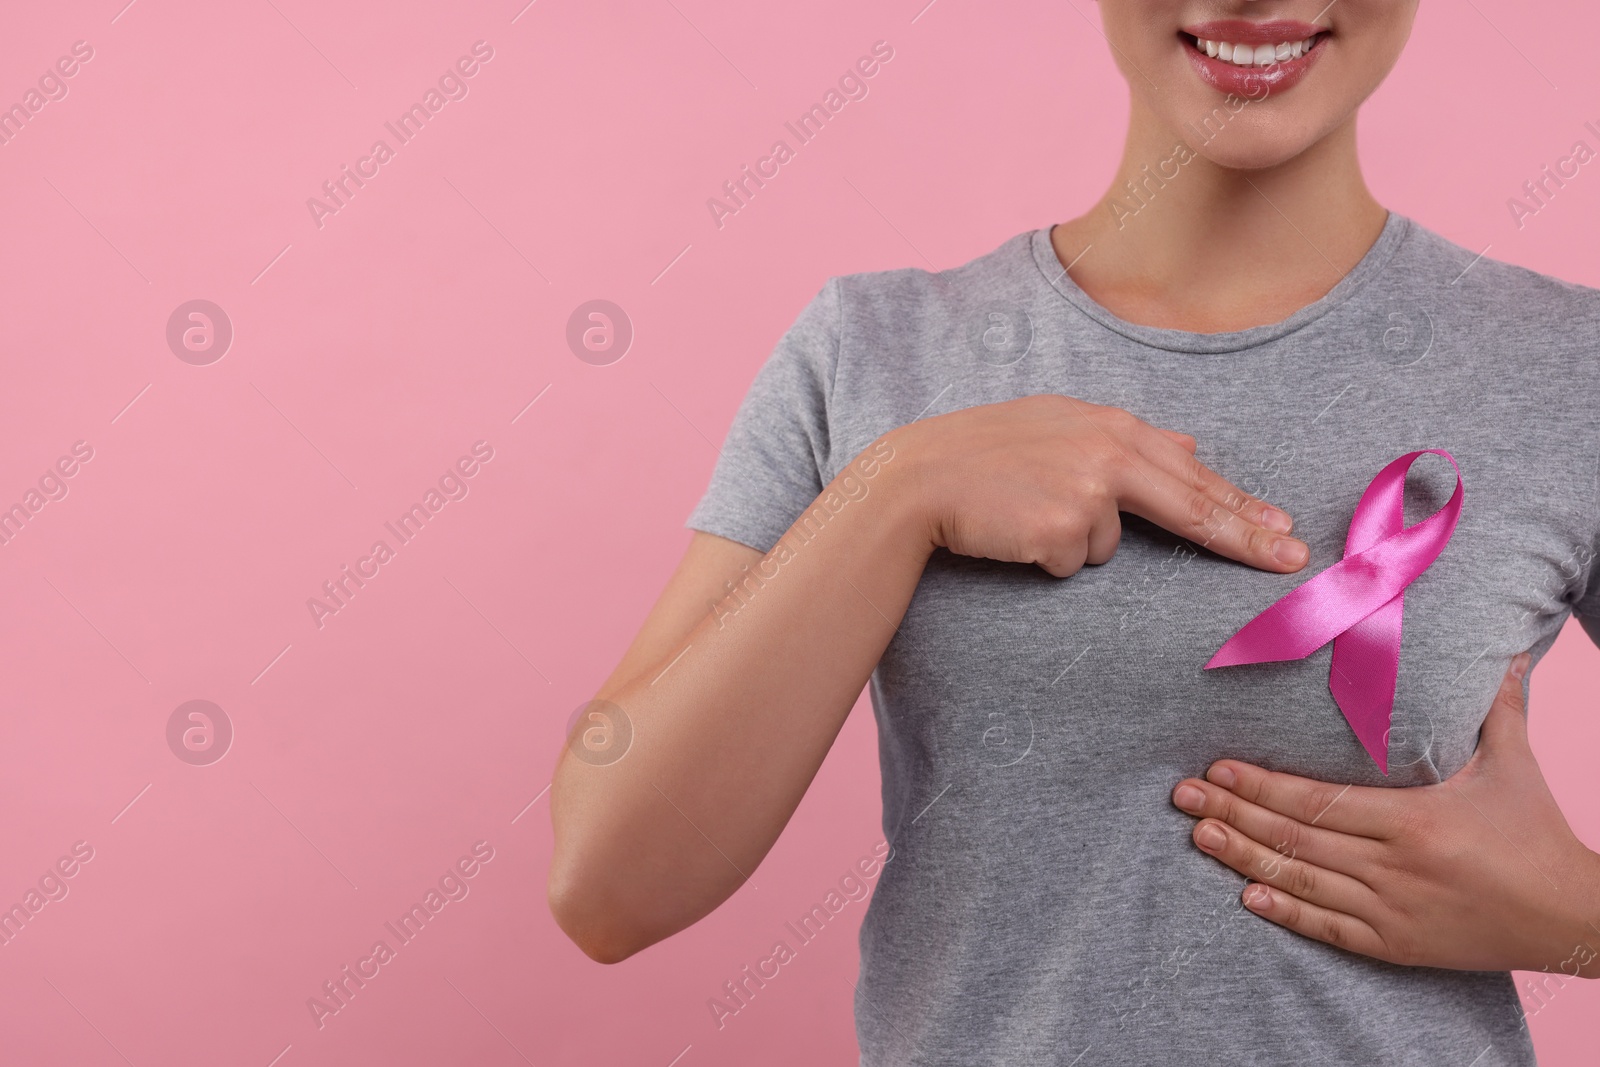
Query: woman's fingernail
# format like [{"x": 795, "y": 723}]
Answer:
[
  {"x": 1189, "y": 798},
  {"x": 1209, "y": 837},
  {"x": 1519, "y": 664},
  {"x": 1257, "y": 897},
  {"x": 1221, "y": 774},
  {"x": 1276, "y": 520},
  {"x": 1290, "y": 551}
]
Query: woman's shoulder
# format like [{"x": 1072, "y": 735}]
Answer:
[
  {"x": 1479, "y": 284},
  {"x": 906, "y": 294}
]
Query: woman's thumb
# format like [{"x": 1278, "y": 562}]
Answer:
[
  {"x": 1183, "y": 439},
  {"x": 1507, "y": 721}
]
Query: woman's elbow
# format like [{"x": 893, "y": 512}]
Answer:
[{"x": 578, "y": 904}]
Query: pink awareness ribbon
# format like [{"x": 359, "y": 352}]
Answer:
[{"x": 1358, "y": 604}]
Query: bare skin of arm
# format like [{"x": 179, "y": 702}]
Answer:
[{"x": 732, "y": 711}]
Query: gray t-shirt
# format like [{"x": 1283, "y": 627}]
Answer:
[{"x": 1045, "y": 903}]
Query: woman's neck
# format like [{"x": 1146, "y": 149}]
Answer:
[{"x": 1182, "y": 243}]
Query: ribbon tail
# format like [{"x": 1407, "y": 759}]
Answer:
[{"x": 1366, "y": 665}]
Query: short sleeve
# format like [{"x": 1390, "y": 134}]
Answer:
[
  {"x": 772, "y": 462},
  {"x": 1586, "y": 609}
]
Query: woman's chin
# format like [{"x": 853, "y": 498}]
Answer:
[
  {"x": 1252, "y": 140},
  {"x": 1256, "y": 153}
]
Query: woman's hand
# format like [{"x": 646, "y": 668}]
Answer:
[
  {"x": 1478, "y": 872},
  {"x": 1041, "y": 479}
]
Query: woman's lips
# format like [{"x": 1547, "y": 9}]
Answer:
[
  {"x": 1253, "y": 81},
  {"x": 1269, "y": 32}
]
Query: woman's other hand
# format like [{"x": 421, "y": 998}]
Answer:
[{"x": 1478, "y": 872}]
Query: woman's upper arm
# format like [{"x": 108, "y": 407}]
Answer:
[{"x": 698, "y": 582}]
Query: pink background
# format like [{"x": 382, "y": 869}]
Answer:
[{"x": 368, "y": 354}]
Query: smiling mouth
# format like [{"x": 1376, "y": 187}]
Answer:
[
  {"x": 1254, "y": 59},
  {"x": 1247, "y": 54}
]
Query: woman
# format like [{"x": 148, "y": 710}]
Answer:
[{"x": 1025, "y": 500}]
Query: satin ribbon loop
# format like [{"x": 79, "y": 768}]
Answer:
[{"x": 1358, "y": 604}]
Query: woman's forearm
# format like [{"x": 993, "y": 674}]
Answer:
[
  {"x": 730, "y": 727},
  {"x": 731, "y": 722}
]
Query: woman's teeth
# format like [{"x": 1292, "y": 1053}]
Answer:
[{"x": 1255, "y": 55}]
